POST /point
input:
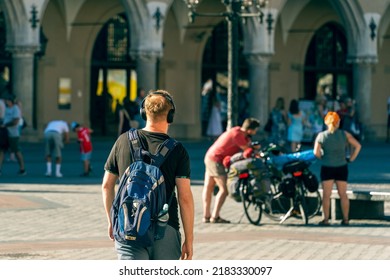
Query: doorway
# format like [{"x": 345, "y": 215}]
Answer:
[
  {"x": 113, "y": 76},
  {"x": 327, "y": 72}
]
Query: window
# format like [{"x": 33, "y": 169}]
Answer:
[{"x": 326, "y": 68}]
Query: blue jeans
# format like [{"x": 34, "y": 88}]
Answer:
[{"x": 168, "y": 248}]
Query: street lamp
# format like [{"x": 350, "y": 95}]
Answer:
[{"x": 235, "y": 10}]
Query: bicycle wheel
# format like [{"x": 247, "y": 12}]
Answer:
[
  {"x": 302, "y": 205},
  {"x": 252, "y": 206},
  {"x": 313, "y": 203},
  {"x": 310, "y": 202},
  {"x": 277, "y": 205}
]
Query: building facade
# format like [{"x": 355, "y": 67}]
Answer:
[{"x": 78, "y": 60}]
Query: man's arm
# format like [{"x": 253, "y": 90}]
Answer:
[
  {"x": 108, "y": 192},
  {"x": 186, "y": 203}
]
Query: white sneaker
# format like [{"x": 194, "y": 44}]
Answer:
[
  {"x": 48, "y": 174},
  {"x": 58, "y": 175}
]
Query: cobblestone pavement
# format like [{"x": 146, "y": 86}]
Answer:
[{"x": 63, "y": 219}]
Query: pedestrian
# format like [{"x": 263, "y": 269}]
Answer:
[
  {"x": 127, "y": 116},
  {"x": 55, "y": 133},
  {"x": 141, "y": 93},
  {"x": 214, "y": 127},
  {"x": 11, "y": 120},
  {"x": 295, "y": 122},
  {"x": 21, "y": 125},
  {"x": 330, "y": 146},
  {"x": 84, "y": 139},
  {"x": 229, "y": 143},
  {"x": 316, "y": 118},
  {"x": 158, "y": 110},
  {"x": 279, "y": 123}
]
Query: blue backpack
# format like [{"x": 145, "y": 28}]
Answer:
[{"x": 141, "y": 194}]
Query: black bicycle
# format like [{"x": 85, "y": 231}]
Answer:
[
  {"x": 298, "y": 194},
  {"x": 254, "y": 203},
  {"x": 293, "y": 192}
]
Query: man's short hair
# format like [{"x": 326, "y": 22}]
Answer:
[
  {"x": 158, "y": 105},
  {"x": 250, "y": 123}
]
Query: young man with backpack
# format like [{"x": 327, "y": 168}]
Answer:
[{"x": 152, "y": 144}]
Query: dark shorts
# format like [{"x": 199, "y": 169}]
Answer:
[
  {"x": 339, "y": 173},
  {"x": 388, "y": 121}
]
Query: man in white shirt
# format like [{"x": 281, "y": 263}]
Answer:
[{"x": 55, "y": 132}]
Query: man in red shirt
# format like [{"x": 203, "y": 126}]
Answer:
[
  {"x": 229, "y": 143},
  {"x": 84, "y": 138}
]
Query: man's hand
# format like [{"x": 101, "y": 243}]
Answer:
[
  {"x": 186, "y": 253},
  {"x": 110, "y": 232}
]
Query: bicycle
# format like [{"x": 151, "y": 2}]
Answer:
[
  {"x": 300, "y": 200},
  {"x": 253, "y": 203},
  {"x": 287, "y": 197}
]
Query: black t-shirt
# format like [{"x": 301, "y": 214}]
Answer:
[{"x": 176, "y": 165}]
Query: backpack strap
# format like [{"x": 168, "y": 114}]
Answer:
[
  {"x": 135, "y": 145},
  {"x": 163, "y": 151}
]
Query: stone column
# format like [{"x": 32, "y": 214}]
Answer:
[
  {"x": 362, "y": 77},
  {"x": 258, "y": 86},
  {"x": 146, "y": 69},
  {"x": 23, "y": 80},
  {"x": 363, "y": 55},
  {"x": 147, "y": 20},
  {"x": 258, "y": 50}
]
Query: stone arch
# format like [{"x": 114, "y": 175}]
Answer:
[
  {"x": 384, "y": 25},
  {"x": 350, "y": 14},
  {"x": 15, "y": 16}
]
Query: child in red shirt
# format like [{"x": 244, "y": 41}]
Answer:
[{"x": 84, "y": 138}]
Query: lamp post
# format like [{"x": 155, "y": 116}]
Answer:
[{"x": 235, "y": 10}]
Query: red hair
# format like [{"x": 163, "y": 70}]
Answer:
[{"x": 332, "y": 120}]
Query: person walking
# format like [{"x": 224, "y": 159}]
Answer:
[
  {"x": 55, "y": 133},
  {"x": 84, "y": 139},
  {"x": 11, "y": 120},
  {"x": 230, "y": 142},
  {"x": 295, "y": 121},
  {"x": 330, "y": 147},
  {"x": 158, "y": 109}
]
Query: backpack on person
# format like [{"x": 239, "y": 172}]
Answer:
[{"x": 141, "y": 194}]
